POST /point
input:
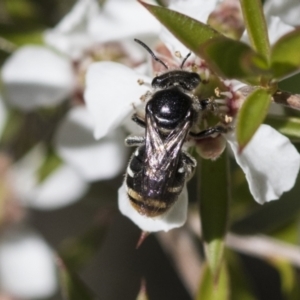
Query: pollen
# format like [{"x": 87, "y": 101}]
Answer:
[
  {"x": 178, "y": 54},
  {"x": 140, "y": 81}
]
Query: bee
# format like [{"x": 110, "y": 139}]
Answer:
[{"x": 159, "y": 168}]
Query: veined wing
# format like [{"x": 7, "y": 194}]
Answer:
[{"x": 159, "y": 152}]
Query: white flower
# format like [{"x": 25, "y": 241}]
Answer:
[
  {"x": 277, "y": 29},
  {"x": 94, "y": 160},
  {"x": 27, "y": 265},
  {"x": 84, "y": 160},
  {"x": 124, "y": 19},
  {"x": 62, "y": 187},
  {"x": 87, "y": 25},
  {"x": 286, "y": 10},
  {"x": 37, "y": 76},
  {"x": 112, "y": 98},
  {"x": 71, "y": 36},
  {"x": 270, "y": 162}
]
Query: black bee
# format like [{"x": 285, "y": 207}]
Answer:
[{"x": 158, "y": 169}]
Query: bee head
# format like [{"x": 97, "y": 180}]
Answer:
[{"x": 185, "y": 80}]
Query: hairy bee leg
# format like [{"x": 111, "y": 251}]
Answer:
[
  {"x": 208, "y": 132},
  {"x": 190, "y": 164},
  {"x": 188, "y": 159},
  {"x": 134, "y": 141},
  {"x": 138, "y": 120}
]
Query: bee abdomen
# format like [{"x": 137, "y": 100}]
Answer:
[{"x": 147, "y": 206}]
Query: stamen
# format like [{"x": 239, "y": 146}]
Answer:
[
  {"x": 220, "y": 101},
  {"x": 223, "y": 108},
  {"x": 217, "y": 92},
  {"x": 142, "y": 82},
  {"x": 228, "y": 119},
  {"x": 227, "y": 94},
  {"x": 206, "y": 74},
  {"x": 144, "y": 97},
  {"x": 178, "y": 54},
  {"x": 194, "y": 68}
]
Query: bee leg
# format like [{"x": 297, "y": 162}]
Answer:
[
  {"x": 134, "y": 141},
  {"x": 190, "y": 164},
  {"x": 188, "y": 159},
  {"x": 138, "y": 120},
  {"x": 210, "y": 132}
]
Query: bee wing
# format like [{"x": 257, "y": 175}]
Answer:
[{"x": 162, "y": 154}]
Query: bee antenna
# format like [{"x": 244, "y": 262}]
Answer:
[
  {"x": 151, "y": 52},
  {"x": 183, "y": 62}
]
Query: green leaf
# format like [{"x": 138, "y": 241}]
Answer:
[
  {"x": 233, "y": 59},
  {"x": 209, "y": 289},
  {"x": 214, "y": 206},
  {"x": 13, "y": 122},
  {"x": 251, "y": 115},
  {"x": 288, "y": 233},
  {"x": 286, "y": 125},
  {"x": 29, "y": 37},
  {"x": 290, "y": 84},
  {"x": 256, "y": 27},
  {"x": 289, "y": 279},
  {"x": 21, "y": 8},
  {"x": 71, "y": 285},
  {"x": 285, "y": 57},
  {"x": 239, "y": 285},
  {"x": 190, "y": 32}
]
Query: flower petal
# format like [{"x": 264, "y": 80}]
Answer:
[
  {"x": 287, "y": 10},
  {"x": 123, "y": 19},
  {"x": 94, "y": 160},
  {"x": 36, "y": 76},
  {"x": 175, "y": 217},
  {"x": 52, "y": 192},
  {"x": 27, "y": 265},
  {"x": 70, "y": 35},
  {"x": 197, "y": 9},
  {"x": 277, "y": 29},
  {"x": 111, "y": 92},
  {"x": 270, "y": 162}
]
